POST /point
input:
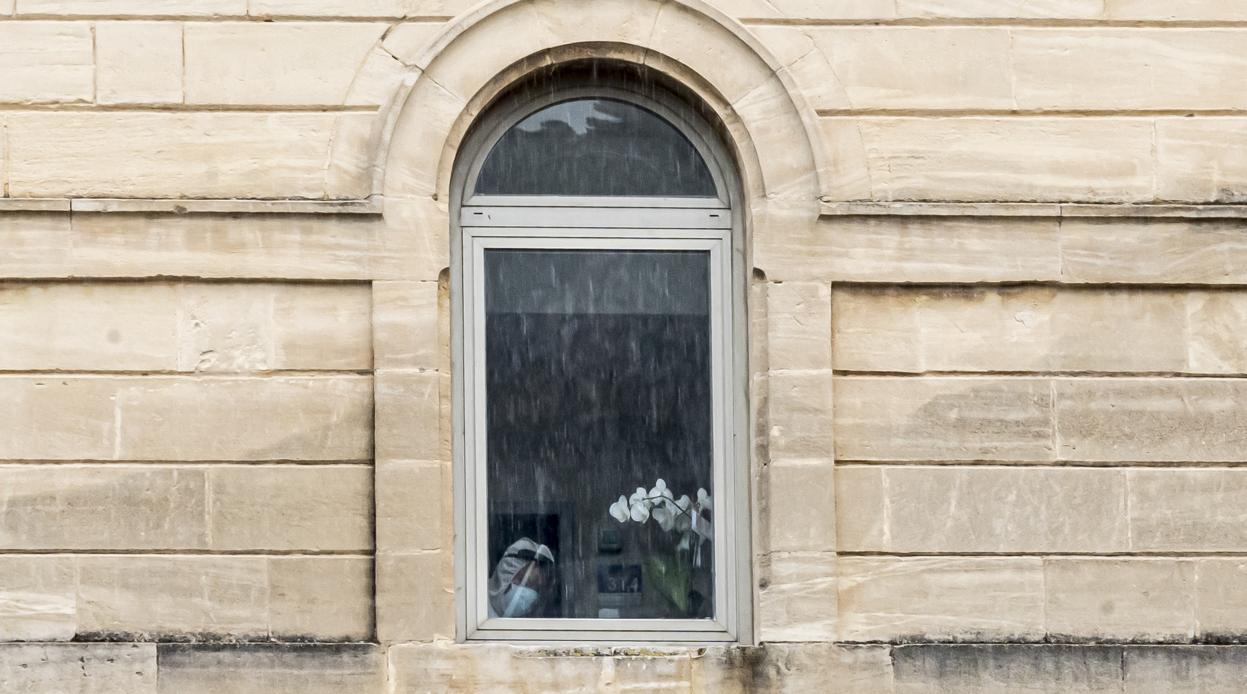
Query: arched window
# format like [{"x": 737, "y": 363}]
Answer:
[{"x": 599, "y": 322}]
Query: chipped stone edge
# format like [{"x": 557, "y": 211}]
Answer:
[
  {"x": 367, "y": 206},
  {"x": 1030, "y": 209}
]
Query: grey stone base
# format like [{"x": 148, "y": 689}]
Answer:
[{"x": 151, "y": 668}]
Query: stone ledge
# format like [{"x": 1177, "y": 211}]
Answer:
[
  {"x": 1029, "y": 209},
  {"x": 374, "y": 205},
  {"x": 366, "y": 206}
]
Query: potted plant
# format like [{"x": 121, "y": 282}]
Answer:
[{"x": 686, "y": 524}]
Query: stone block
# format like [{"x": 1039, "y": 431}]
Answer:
[
  {"x": 183, "y": 418},
  {"x": 406, "y": 325},
  {"x": 799, "y": 325},
  {"x": 415, "y": 597},
  {"x": 1124, "y": 330},
  {"x": 1144, "y": 419},
  {"x": 1007, "y": 669},
  {"x": 465, "y": 66},
  {"x": 847, "y": 174},
  {"x": 57, "y": 418},
  {"x": 789, "y": 165},
  {"x": 732, "y": 79},
  {"x": 860, "y": 485},
  {"x": 78, "y": 668},
  {"x": 1163, "y": 10},
  {"x": 941, "y": 598},
  {"x": 449, "y": 667},
  {"x": 1005, "y": 159},
  {"x": 1203, "y": 510},
  {"x": 418, "y": 141},
  {"x": 408, "y": 41},
  {"x": 1001, "y": 9},
  {"x": 1200, "y": 65},
  {"x": 377, "y": 81},
  {"x": 1220, "y": 601},
  {"x": 882, "y": 67},
  {"x": 1099, "y": 599},
  {"x": 804, "y": 667},
  {"x": 937, "y": 510},
  {"x": 801, "y": 505},
  {"x": 162, "y": 326},
  {"x": 244, "y": 419},
  {"x": 433, "y": 9},
  {"x": 918, "y": 249},
  {"x": 970, "y": 418},
  {"x": 790, "y": 243},
  {"x": 626, "y": 22},
  {"x": 809, "y": 9},
  {"x": 144, "y": 154},
  {"x": 138, "y": 62},
  {"x": 46, "y": 62},
  {"x": 408, "y": 413},
  {"x": 221, "y": 598},
  {"x": 412, "y": 509},
  {"x": 797, "y": 597},
  {"x": 38, "y": 600},
  {"x": 134, "y": 8},
  {"x": 290, "y": 507},
  {"x": 275, "y": 668},
  {"x": 800, "y": 416},
  {"x": 262, "y": 327},
  {"x": 320, "y": 599},
  {"x": 1184, "y": 669},
  {"x": 102, "y": 507},
  {"x": 215, "y": 246},
  {"x": 141, "y": 598},
  {"x": 1215, "y": 320},
  {"x": 267, "y": 63},
  {"x": 1006, "y": 329},
  {"x": 113, "y": 326},
  {"x": 420, "y": 228},
  {"x": 1202, "y": 160},
  {"x": 1153, "y": 251}
]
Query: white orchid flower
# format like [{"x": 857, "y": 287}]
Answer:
[
  {"x": 660, "y": 490},
  {"x": 666, "y": 516},
  {"x": 703, "y": 499},
  {"x": 620, "y": 510},
  {"x": 638, "y": 497},
  {"x": 683, "y": 521},
  {"x": 640, "y": 512}
]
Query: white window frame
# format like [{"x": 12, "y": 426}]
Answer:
[{"x": 615, "y": 223}]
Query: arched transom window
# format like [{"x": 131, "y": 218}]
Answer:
[{"x": 598, "y": 329}]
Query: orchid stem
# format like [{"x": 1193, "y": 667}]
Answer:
[{"x": 673, "y": 505}]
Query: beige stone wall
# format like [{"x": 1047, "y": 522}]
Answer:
[{"x": 995, "y": 341}]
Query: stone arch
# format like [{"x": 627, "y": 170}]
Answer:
[{"x": 773, "y": 131}]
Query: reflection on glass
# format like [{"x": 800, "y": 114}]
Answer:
[
  {"x": 599, "y": 450},
  {"x": 594, "y": 147}
]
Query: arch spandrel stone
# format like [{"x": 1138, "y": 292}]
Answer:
[{"x": 775, "y": 135}]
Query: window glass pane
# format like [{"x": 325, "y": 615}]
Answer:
[
  {"x": 594, "y": 147},
  {"x": 598, "y": 384}
]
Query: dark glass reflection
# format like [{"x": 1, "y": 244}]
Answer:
[
  {"x": 594, "y": 147},
  {"x": 598, "y": 383}
]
